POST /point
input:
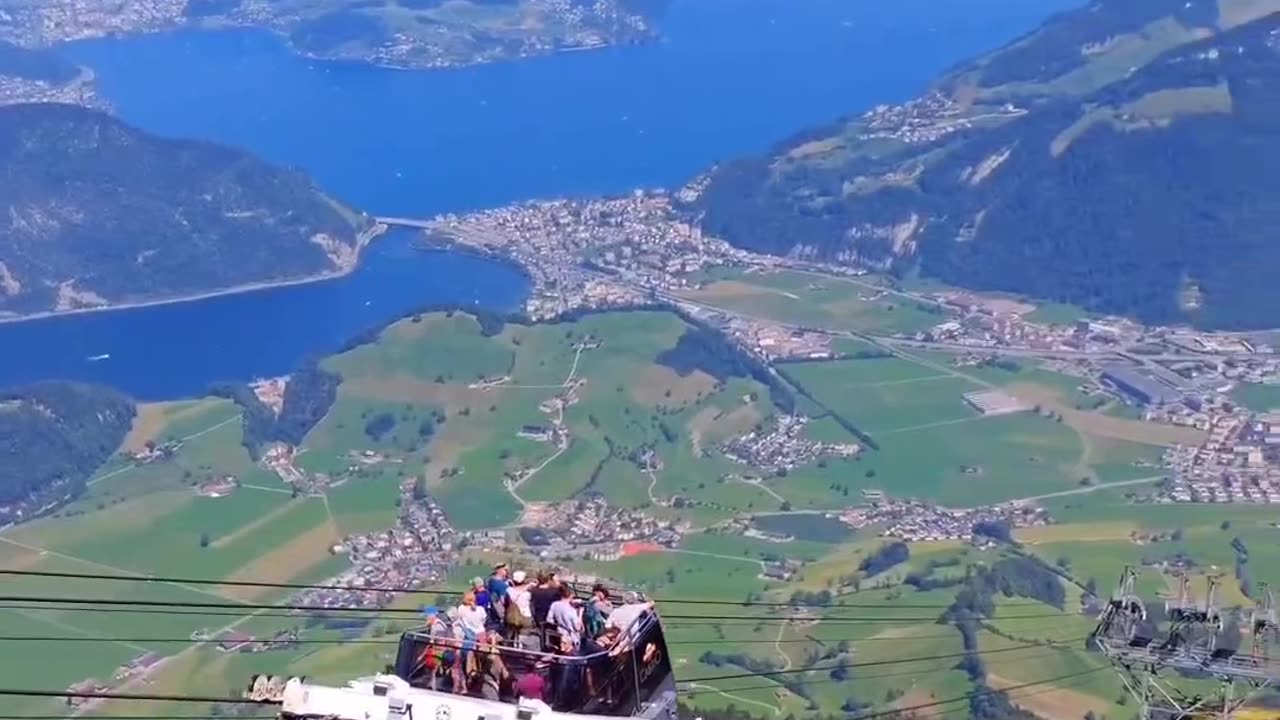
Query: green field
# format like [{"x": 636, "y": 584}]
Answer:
[
  {"x": 478, "y": 392},
  {"x": 1257, "y": 397},
  {"x": 438, "y": 398},
  {"x": 885, "y": 395},
  {"x": 820, "y": 301}
]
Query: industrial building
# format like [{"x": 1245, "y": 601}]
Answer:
[{"x": 1140, "y": 386}]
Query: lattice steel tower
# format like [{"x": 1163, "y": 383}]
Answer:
[{"x": 1224, "y": 663}]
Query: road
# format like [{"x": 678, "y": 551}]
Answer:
[
  {"x": 192, "y": 436},
  {"x": 1086, "y": 489},
  {"x": 512, "y": 487}
]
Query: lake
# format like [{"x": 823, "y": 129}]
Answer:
[
  {"x": 730, "y": 77},
  {"x": 811, "y": 527}
]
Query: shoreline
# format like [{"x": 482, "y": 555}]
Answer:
[{"x": 363, "y": 240}]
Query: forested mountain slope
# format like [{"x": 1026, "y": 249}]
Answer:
[
  {"x": 96, "y": 212},
  {"x": 53, "y": 436},
  {"x": 1120, "y": 158}
]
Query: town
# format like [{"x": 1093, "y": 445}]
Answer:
[
  {"x": 592, "y": 529},
  {"x": 416, "y": 553},
  {"x": 918, "y": 521},
  {"x": 592, "y": 253},
  {"x": 79, "y": 91},
  {"x": 783, "y": 447},
  {"x": 926, "y": 119}
]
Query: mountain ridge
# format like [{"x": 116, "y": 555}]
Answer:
[
  {"x": 99, "y": 213},
  {"x": 994, "y": 177}
]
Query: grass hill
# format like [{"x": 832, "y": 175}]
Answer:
[
  {"x": 1116, "y": 158},
  {"x": 53, "y": 436},
  {"x": 98, "y": 212}
]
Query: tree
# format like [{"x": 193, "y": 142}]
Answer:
[
  {"x": 205, "y": 539},
  {"x": 1226, "y": 525}
]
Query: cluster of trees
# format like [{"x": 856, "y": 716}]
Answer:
[
  {"x": 54, "y": 435},
  {"x": 885, "y": 557},
  {"x": 307, "y": 398},
  {"x": 331, "y": 30},
  {"x": 924, "y": 581},
  {"x": 377, "y": 427},
  {"x": 997, "y": 530},
  {"x": 1122, "y": 221},
  {"x": 1013, "y": 576},
  {"x": 706, "y": 348},
  {"x": 131, "y": 215},
  {"x": 805, "y": 598}
]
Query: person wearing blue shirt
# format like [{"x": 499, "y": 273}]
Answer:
[{"x": 496, "y": 592}]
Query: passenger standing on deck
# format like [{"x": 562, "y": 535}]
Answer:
[
  {"x": 543, "y": 595},
  {"x": 519, "y": 614},
  {"x": 600, "y": 600},
  {"x": 481, "y": 592},
  {"x": 497, "y": 589},
  {"x": 471, "y": 617},
  {"x": 566, "y": 616},
  {"x": 625, "y": 620}
]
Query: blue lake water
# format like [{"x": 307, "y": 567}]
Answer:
[{"x": 730, "y": 77}]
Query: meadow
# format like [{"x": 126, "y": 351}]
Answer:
[
  {"x": 916, "y": 400},
  {"x": 441, "y": 398},
  {"x": 860, "y": 304},
  {"x": 148, "y": 520},
  {"x": 477, "y": 392}
]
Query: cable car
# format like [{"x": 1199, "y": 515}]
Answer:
[{"x": 438, "y": 676}]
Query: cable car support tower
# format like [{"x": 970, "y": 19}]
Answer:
[{"x": 1197, "y": 647}]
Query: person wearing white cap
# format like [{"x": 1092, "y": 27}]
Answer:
[{"x": 519, "y": 614}]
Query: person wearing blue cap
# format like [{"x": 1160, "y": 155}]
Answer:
[{"x": 497, "y": 587}]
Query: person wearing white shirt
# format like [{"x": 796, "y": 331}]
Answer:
[
  {"x": 518, "y": 593},
  {"x": 471, "y": 617},
  {"x": 567, "y": 619},
  {"x": 625, "y": 619}
]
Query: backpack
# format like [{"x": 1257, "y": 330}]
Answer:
[{"x": 515, "y": 619}]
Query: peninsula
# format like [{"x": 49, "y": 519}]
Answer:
[
  {"x": 42, "y": 75},
  {"x": 411, "y": 34},
  {"x": 102, "y": 214}
]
